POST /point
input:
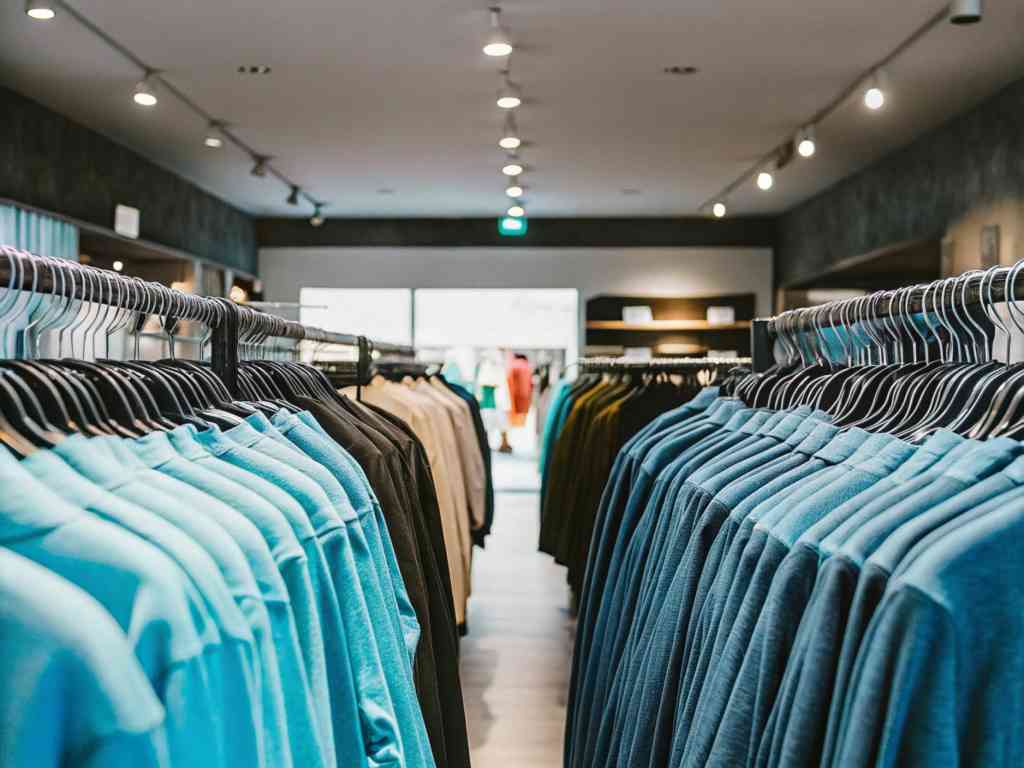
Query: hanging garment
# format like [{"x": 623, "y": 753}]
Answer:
[{"x": 519, "y": 376}]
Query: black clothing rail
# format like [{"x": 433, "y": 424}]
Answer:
[
  {"x": 659, "y": 364},
  {"x": 232, "y": 324},
  {"x": 972, "y": 291}
]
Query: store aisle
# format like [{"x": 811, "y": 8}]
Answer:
[{"x": 515, "y": 660}]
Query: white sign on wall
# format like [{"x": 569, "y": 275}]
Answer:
[{"x": 126, "y": 221}]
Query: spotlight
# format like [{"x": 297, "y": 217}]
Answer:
[
  {"x": 517, "y": 211},
  {"x": 118, "y": 266},
  {"x": 39, "y": 10},
  {"x": 317, "y": 219},
  {"x": 806, "y": 145},
  {"x": 719, "y": 210},
  {"x": 497, "y": 41},
  {"x": 259, "y": 168},
  {"x": 765, "y": 181},
  {"x": 509, "y": 96},
  {"x": 512, "y": 169},
  {"x": 965, "y": 11},
  {"x": 874, "y": 96},
  {"x": 293, "y": 196},
  {"x": 144, "y": 95},
  {"x": 514, "y": 190},
  {"x": 213, "y": 139},
  {"x": 510, "y": 136}
]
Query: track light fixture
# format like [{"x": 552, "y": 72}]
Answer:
[
  {"x": 317, "y": 219},
  {"x": 509, "y": 95},
  {"x": 144, "y": 95},
  {"x": 765, "y": 181},
  {"x": 293, "y": 196},
  {"x": 805, "y": 143},
  {"x": 719, "y": 210},
  {"x": 517, "y": 211},
  {"x": 213, "y": 139},
  {"x": 874, "y": 96},
  {"x": 514, "y": 189},
  {"x": 512, "y": 169},
  {"x": 40, "y": 10},
  {"x": 510, "y": 136},
  {"x": 497, "y": 43},
  {"x": 259, "y": 168},
  {"x": 965, "y": 11}
]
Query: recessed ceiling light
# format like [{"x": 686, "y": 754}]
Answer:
[
  {"x": 517, "y": 211},
  {"x": 497, "y": 43},
  {"x": 765, "y": 181},
  {"x": 144, "y": 95},
  {"x": 514, "y": 190},
  {"x": 677, "y": 70},
  {"x": 253, "y": 69},
  {"x": 512, "y": 169},
  {"x": 719, "y": 210}
]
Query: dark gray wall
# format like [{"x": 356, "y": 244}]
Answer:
[
  {"x": 912, "y": 194},
  {"x": 55, "y": 164}
]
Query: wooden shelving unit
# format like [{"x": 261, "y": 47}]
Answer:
[
  {"x": 679, "y": 321},
  {"x": 667, "y": 325}
]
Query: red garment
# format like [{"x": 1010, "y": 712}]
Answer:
[{"x": 520, "y": 386}]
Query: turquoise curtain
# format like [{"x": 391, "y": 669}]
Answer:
[{"x": 38, "y": 233}]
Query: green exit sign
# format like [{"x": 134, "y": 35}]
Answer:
[{"x": 512, "y": 227}]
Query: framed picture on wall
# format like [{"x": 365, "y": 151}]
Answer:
[{"x": 989, "y": 246}]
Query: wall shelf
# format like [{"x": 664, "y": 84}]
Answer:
[{"x": 657, "y": 326}]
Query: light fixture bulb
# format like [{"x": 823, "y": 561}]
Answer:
[
  {"x": 765, "y": 181},
  {"x": 874, "y": 98},
  {"x": 516, "y": 211},
  {"x": 719, "y": 210},
  {"x": 497, "y": 43},
  {"x": 509, "y": 142},
  {"x": 512, "y": 169},
  {"x": 514, "y": 191},
  {"x": 293, "y": 196},
  {"x": 317, "y": 219},
  {"x": 213, "y": 139},
  {"x": 509, "y": 96},
  {"x": 144, "y": 95},
  {"x": 805, "y": 142},
  {"x": 39, "y": 10},
  {"x": 118, "y": 266}
]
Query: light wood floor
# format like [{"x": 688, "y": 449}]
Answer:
[{"x": 515, "y": 660}]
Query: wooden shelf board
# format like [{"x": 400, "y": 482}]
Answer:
[{"x": 666, "y": 325}]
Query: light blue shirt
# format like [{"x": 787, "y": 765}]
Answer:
[
  {"x": 64, "y": 702},
  {"x": 287, "y": 693},
  {"x": 380, "y": 738},
  {"x": 150, "y": 598},
  {"x": 310, "y": 590}
]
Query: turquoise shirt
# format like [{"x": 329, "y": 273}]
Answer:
[
  {"x": 381, "y": 608},
  {"x": 379, "y": 731},
  {"x": 233, "y": 599},
  {"x": 292, "y": 697},
  {"x": 307, "y": 435},
  {"x": 150, "y": 598},
  {"x": 310, "y": 591},
  {"x": 64, "y": 702}
]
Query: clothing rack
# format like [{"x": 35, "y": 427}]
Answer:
[
  {"x": 660, "y": 364},
  {"x": 969, "y": 292},
  {"x": 232, "y": 325}
]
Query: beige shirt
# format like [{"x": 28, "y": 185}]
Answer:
[
  {"x": 473, "y": 472},
  {"x": 425, "y": 416}
]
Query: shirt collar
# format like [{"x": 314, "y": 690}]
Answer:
[{"x": 27, "y": 507}]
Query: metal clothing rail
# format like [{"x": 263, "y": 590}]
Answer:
[
  {"x": 940, "y": 298},
  {"x": 662, "y": 364},
  {"x": 231, "y": 324}
]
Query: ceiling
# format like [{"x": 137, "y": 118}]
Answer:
[{"x": 396, "y": 95}]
